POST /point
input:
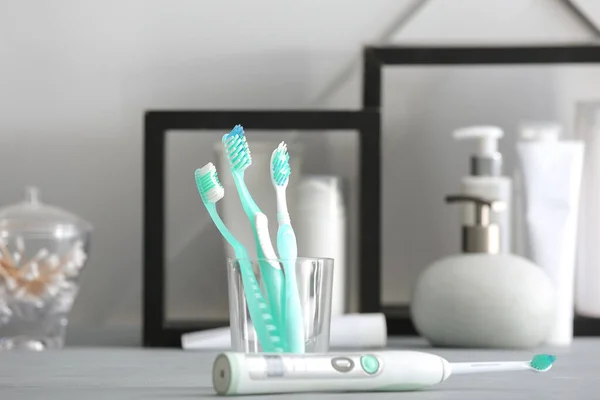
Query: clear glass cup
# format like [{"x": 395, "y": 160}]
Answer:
[
  {"x": 314, "y": 278},
  {"x": 42, "y": 252}
]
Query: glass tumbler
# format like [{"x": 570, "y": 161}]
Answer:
[{"x": 314, "y": 285}]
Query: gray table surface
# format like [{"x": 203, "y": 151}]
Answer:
[{"x": 136, "y": 373}]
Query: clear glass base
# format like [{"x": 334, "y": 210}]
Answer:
[
  {"x": 36, "y": 325},
  {"x": 38, "y": 284},
  {"x": 22, "y": 343}
]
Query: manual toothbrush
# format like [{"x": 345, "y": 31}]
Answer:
[
  {"x": 238, "y": 155},
  {"x": 288, "y": 251},
  {"x": 211, "y": 191}
]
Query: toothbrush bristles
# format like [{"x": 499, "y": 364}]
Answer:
[
  {"x": 236, "y": 149},
  {"x": 207, "y": 181},
  {"x": 542, "y": 362},
  {"x": 281, "y": 165}
]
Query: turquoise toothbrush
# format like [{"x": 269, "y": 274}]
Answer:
[
  {"x": 288, "y": 251},
  {"x": 238, "y": 155},
  {"x": 268, "y": 334}
]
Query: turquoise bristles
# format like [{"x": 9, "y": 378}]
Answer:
[
  {"x": 281, "y": 165},
  {"x": 542, "y": 362},
  {"x": 236, "y": 149},
  {"x": 207, "y": 182}
]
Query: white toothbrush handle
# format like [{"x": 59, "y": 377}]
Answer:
[
  {"x": 264, "y": 238},
  {"x": 287, "y": 247},
  {"x": 240, "y": 374},
  {"x": 479, "y": 367},
  {"x": 293, "y": 317},
  {"x": 270, "y": 269}
]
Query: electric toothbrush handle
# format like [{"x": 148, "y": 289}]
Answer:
[{"x": 241, "y": 374}]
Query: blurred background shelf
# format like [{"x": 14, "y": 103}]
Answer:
[{"x": 400, "y": 324}]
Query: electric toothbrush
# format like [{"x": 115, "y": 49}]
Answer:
[
  {"x": 288, "y": 252},
  {"x": 242, "y": 374}
]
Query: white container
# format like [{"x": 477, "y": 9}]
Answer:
[
  {"x": 587, "y": 288},
  {"x": 485, "y": 179},
  {"x": 551, "y": 172},
  {"x": 320, "y": 227}
]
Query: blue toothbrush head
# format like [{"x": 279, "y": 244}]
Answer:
[
  {"x": 542, "y": 362},
  {"x": 236, "y": 149},
  {"x": 280, "y": 165},
  {"x": 208, "y": 184}
]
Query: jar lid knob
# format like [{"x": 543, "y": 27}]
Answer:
[{"x": 32, "y": 195}]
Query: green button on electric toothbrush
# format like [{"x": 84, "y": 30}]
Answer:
[{"x": 369, "y": 364}]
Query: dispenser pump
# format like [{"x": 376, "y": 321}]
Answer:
[
  {"x": 487, "y": 161},
  {"x": 482, "y": 236}
]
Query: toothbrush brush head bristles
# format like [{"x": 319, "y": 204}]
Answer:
[
  {"x": 280, "y": 165},
  {"x": 208, "y": 184},
  {"x": 542, "y": 362},
  {"x": 236, "y": 149}
]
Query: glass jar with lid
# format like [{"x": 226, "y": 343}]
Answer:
[{"x": 42, "y": 252}]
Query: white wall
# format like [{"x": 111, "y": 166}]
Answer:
[{"x": 76, "y": 77}]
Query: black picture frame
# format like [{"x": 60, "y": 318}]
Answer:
[
  {"x": 158, "y": 332},
  {"x": 376, "y": 58}
]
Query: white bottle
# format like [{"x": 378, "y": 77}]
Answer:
[
  {"x": 320, "y": 226},
  {"x": 485, "y": 179}
]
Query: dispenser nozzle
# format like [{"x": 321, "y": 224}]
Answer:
[
  {"x": 483, "y": 237},
  {"x": 483, "y": 207}
]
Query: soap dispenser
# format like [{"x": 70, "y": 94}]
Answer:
[
  {"x": 483, "y": 297},
  {"x": 485, "y": 178}
]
